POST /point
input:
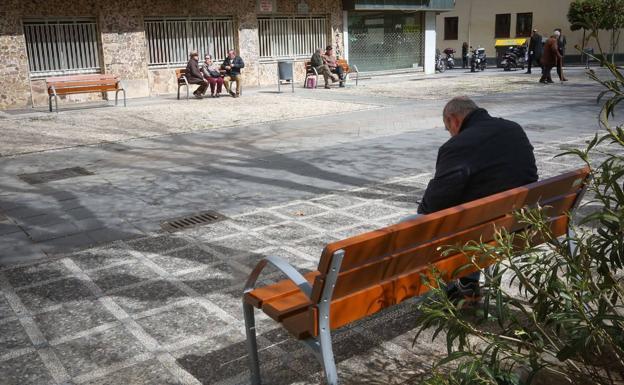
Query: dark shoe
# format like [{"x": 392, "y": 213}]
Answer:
[
  {"x": 217, "y": 96},
  {"x": 342, "y": 84},
  {"x": 549, "y": 81},
  {"x": 528, "y": 72},
  {"x": 564, "y": 80},
  {"x": 238, "y": 95},
  {"x": 327, "y": 87},
  {"x": 468, "y": 291},
  {"x": 198, "y": 96},
  {"x": 232, "y": 94}
]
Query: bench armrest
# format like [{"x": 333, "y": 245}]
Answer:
[
  {"x": 354, "y": 69},
  {"x": 285, "y": 268}
]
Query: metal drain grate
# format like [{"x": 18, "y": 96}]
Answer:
[
  {"x": 49, "y": 176},
  {"x": 203, "y": 218}
]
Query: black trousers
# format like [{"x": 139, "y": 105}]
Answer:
[
  {"x": 533, "y": 58},
  {"x": 338, "y": 71},
  {"x": 560, "y": 69},
  {"x": 203, "y": 86},
  {"x": 546, "y": 74}
]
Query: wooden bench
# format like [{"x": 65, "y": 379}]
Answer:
[
  {"x": 359, "y": 276},
  {"x": 348, "y": 71},
  {"x": 182, "y": 81},
  {"x": 79, "y": 84}
]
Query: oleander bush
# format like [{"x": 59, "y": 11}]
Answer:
[{"x": 552, "y": 314}]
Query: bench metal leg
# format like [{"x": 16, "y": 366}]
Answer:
[
  {"x": 124, "y": 95},
  {"x": 56, "y": 103},
  {"x": 179, "y": 92},
  {"x": 188, "y": 95},
  {"x": 252, "y": 345},
  {"x": 50, "y": 102}
]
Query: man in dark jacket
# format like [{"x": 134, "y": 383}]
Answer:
[
  {"x": 535, "y": 49},
  {"x": 232, "y": 66},
  {"x": 484, "y": 156},
  {"x": 316, "y": 61},
  {"x": 194, "y": 76},
  {"x": 561, "y": 44}
]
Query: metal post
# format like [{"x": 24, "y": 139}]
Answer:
[
  {"x": 327, "y": 354},
  {"x": 252, "y": 346}
]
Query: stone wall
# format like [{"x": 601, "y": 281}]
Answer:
[{"x": 123, "y": 46}]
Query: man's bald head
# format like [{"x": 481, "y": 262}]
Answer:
[{"x": 456, "y": 111}]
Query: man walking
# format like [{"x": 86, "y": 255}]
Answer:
[
  {"x": 194, "y": 76},
  {"x": 535, "y": 49},
  {"x": 550, "y": 58},
  {"x": 232, "y": 66},
  {"x": 484, "y": 156},
  {"x": 561, "y": 44}
]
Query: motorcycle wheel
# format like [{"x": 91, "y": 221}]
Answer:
[
  {"x": 472, "y": 68},
  {"x": 442, "y": 67}
]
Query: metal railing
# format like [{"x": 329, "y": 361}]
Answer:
[
  {"x": 61, "y": 46},
  {"x": 291, "y": 36},
  {"x": 169, "y": 40}
]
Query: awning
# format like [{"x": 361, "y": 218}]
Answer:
[
  {"x": 509, "y": 42},
  {"x": 398, "y": 5}
]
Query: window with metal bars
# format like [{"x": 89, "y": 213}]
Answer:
[
  {"x": 291, "y": 36},
  {"x": 169, "y": 40},
  {"x": 62, "y": 46}
]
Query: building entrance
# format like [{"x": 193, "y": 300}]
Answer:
[{"x": 385, "y": 40}]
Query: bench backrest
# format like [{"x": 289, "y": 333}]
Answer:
[
  {"x": 384, "y": 267},
  {"x": 180, "y": 72}
]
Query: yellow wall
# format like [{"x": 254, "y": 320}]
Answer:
[{"x": 477, "y": 21}]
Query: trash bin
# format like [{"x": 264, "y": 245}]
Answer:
[
  {"x": 285, "y": 74},
  {"x": 588, "y": 56}
]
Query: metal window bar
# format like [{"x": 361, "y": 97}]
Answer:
[
  {"x": 291, "y": 37},
  {"x": 58, "y": 47},
  {"x": 169, "y": 41}
]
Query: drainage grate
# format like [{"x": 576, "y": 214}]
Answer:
[
  {"x": 49, "y": 176},
  {"x": 200, "y": 219}
]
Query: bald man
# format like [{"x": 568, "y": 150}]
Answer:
[{"x": 484, "y": 156}]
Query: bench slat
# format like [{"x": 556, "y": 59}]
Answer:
[
  {"x": 82, "y": 90},
  {"x": 277, "y": 290},
  {"x": 72, "y": 78}
]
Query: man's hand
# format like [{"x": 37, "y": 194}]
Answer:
[{"x": 228, "y": 67}]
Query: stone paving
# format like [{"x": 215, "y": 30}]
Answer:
[{"x": 150, "y": 307}]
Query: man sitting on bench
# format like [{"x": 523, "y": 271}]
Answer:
[
  {"x": 484, "y": 156},
  {"x": 330, "y": 60},
  {"x": 194, "y": 75},
  {"x": 232, "y": 66},
  {"x": 322, "y": 69}
]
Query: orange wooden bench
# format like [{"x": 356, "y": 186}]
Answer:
[
  {"x": 359, "y": 276},
  {"x": 79, "y": 84}
]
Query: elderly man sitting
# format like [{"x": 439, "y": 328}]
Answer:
[{"x": 321, "y": 68}]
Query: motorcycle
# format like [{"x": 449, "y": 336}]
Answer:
[
  {"x": 478, "y": 60},
  {"x": 440, "y": 63},
  {"x": 514, "y": 57},
  {"x": 449, "y": 60}
]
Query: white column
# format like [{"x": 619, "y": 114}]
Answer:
[
  {"x": 345, "y": 34},
  {"x": 430, "y": 42}
]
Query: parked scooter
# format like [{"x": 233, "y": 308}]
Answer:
[
  {"x": 449, "y": 60},
  {"x": 440, "y": 63},
  {"x": 478, "y": 60},
  {"x": 514, "y": 58}
]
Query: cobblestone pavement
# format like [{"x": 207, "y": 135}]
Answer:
[{"x": 150, "y": 307}]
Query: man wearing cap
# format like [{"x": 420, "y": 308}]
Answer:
[
  {"x": 194, "y": 76},
  {"x": 330, "y": 59},
  {"x": 535, "y": 49}
]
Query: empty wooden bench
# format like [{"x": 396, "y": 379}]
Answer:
[
  {"x": 348, "y": 71},
  {"x": 359, "y": 276},
  {"x": 80, "y": 84}
]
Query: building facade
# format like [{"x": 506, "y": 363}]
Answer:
[
  {"x": 482, "y": 22},
  {"x": 143, "y": 42}
]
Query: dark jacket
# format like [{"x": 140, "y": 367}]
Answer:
[
  {"x": 536, "y": 45},
  {"x": 551, "y": 53},
  {"x": 561, "y": 44},
  {"x": 192, "y": 71},
  {"x": 489, "y": 155},
  {"x": 237, "y": 63}
]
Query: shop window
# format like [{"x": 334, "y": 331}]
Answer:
[
  {"x": 292, "y": 37},
  {"x": 169, "y": 40},
  {"x": 61, "y": 46},
  {"x": 451, "y": 28},
  {"x": 524, "y": 24},
  {"x": 503, "y": 25}
]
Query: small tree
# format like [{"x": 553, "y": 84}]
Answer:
[{"x": 595, "y": 15}]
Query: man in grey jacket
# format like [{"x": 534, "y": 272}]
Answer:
[{"x": 321, "y": 68}]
